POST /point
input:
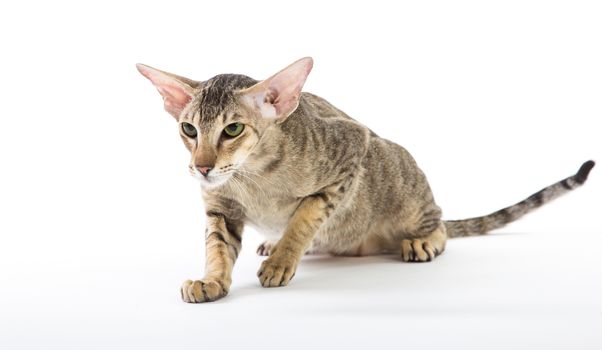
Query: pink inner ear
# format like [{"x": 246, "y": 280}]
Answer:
[
  {"x": 175, "y": 94},
  {"x": 284, "y": 88}
]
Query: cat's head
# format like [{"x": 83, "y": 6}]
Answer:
[{"x": 221, "y": 120}]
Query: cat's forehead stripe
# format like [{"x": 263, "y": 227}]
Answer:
[{"x": 216, "y": 95}]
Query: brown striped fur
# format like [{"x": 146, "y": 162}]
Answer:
[
  {"x": 483, "y": 224},
  {"x": 309, "y": 177}
]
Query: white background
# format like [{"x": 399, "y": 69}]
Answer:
[{"x": 100, "y": 222}]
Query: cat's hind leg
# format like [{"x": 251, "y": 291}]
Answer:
[
  {"x": 265, "y": 248},
  {"x": 426, "y": 248}
]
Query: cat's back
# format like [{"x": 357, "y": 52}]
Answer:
[{"x": 320, "y": 108}]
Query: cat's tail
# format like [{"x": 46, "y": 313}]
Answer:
[{"x": 483, "y": 224}]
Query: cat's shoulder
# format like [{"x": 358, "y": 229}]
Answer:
[
  {"x": 322, "y": 111},
  {"x": 319, "y": 107}
]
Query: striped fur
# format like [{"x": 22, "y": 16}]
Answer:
[
  {"x": 308, "y": 177},
  {"x": 483, "y": 224}
]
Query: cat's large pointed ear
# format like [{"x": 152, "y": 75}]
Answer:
[
  {"x": 176, "y": 91},
  {"x": 278, "y": 96}
]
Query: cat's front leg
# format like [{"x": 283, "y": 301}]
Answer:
[
  {"x": 279, "y": 268},
  {"x": 222, "y": 245}
]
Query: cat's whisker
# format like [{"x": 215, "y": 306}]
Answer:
[
  {"x": 259, "y": 187},
  {"x": 252, "y": 200},
  {"x": 256, "y": 199},
  {"x": 265, "y": 181},
  {"x": 257, "y": 174}
]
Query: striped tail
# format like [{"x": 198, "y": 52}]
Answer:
[{"x": 483, "y": 224}]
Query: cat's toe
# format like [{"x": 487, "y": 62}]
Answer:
[
  {"x": 264, "y": 248},
  {"x": 424, "y": 248},
  {"x": 202, "y": 291},
  {"x": 418, "y": 250},
  {"x": 274, "y": 273}
]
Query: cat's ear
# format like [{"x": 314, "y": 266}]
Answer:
[
  {"x": 176, "y": 91},
  {"x": 278, "y": 96}
]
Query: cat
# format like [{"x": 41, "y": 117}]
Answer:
[{"x": 308, "y": 176}]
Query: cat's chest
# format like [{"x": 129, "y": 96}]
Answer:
[
  {"x": 269, "y": 216},
  {"x": 266, "y": 208}
]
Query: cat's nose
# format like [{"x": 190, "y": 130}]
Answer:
[{"x": 204, "y": 170}]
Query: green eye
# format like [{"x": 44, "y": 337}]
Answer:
[
  {"x": 234, "y": 129},
  {"x": 189, "y": 130}
]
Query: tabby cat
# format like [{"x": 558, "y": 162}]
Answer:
[{"x": 306, "y": 175}]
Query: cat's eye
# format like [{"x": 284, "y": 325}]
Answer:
[
  {"x": 234, "y": 129},
  {"x": 189, "y": 130}
]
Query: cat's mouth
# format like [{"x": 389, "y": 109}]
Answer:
[{"x": 212, "y": 180}]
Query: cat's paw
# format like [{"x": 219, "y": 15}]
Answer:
[
  {"x": 202, "y": 291},
  {"x": 276, "y": 272},
  {"x": 417, "y": 250},
  {"x": 425, "y": 248},
  {"x": 265, "y": 248}
]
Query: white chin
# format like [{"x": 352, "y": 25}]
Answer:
[{"x": 212, "y": 182}]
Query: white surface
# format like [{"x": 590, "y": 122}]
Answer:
[{"x": 100, "y": 223}]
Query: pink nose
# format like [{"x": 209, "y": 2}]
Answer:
[{"x": 203, "y": 169}]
